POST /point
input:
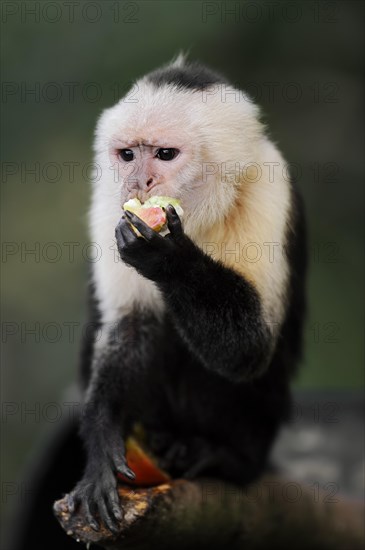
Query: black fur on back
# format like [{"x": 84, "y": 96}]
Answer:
[{"x": 192, "y": 76}]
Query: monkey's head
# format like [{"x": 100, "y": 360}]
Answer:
[{"x": 181, "y": 131}]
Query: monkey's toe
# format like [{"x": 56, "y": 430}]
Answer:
[{"x": 99, "y": 501}]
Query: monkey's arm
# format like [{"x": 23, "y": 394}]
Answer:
[
  {"x": 122, "y": 347},
  {"x": 217, "y": 312}
]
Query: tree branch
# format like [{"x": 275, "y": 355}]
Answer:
[{"x": 272, "y": 513}]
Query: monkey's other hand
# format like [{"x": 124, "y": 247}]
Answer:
[
  {"x": 154, "y": 256},
  {"x": 97, "y": 493}
]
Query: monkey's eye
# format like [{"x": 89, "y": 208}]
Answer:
[
  {"x": 166, "y": 154},
  {"x": 126, "y": 154}
]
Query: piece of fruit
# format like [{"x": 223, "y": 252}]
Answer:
[
  {"x": 132, "y": 205},
  {"x": 154, "y": 216},
  {"x": 163, "y": 202},
  {"x": 152, "y": 211},
  {"x": 143, "y": 465}
]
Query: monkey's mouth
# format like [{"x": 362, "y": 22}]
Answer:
[{"x": 143, "y": 195}]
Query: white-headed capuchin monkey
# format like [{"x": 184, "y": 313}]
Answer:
[{"x": 198, "y": 332}]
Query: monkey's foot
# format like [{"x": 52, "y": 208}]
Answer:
[
  {"x": 97, "y": 493},
  {"x": 134, "y": 502}
]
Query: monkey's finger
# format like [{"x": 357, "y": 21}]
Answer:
[
  {"x": 114, "y": 505},
  {"x": 124, "y": 232},
  {"x": 125, "y": 471},
  {"x": 72, "y": 502},
  {"x": 120, "y": 464},
  {"x": 90, "y": 516},
  {"x": 107, "y": 518},
  {"x": 142, "y": 227},
  {"x": 173, "y": 222}
]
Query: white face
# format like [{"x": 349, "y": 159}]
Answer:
[
  {"x": 163, "y": 141},
  {"x": 149, "y": 168}
]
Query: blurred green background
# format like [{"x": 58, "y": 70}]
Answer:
[{"x": 62, "y": 65}]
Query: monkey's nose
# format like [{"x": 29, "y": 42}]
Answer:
[{"x": 151, "y": 182}]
